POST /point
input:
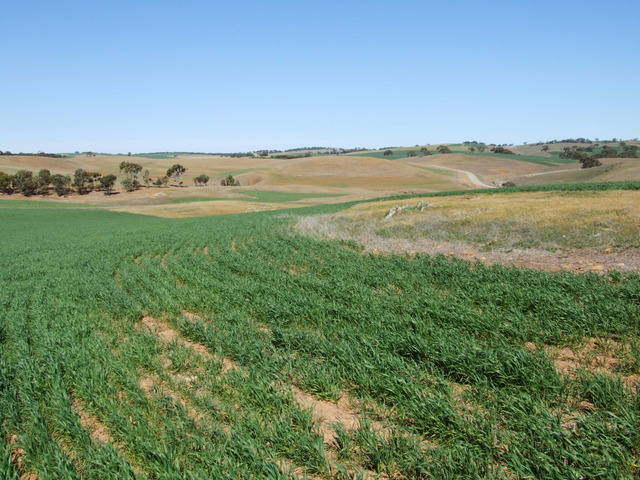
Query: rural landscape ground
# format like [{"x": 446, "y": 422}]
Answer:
[{"x": 363, "y": 315}]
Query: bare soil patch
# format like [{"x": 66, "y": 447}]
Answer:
[
  {"x": 168, "y": 334},
  {"x": 598, "y": 355},
  {"x": 326, "y": 414},
  {"x": 17, "y": 459},
  {"x": 150, "y": 384},
  {"x": 99, "y": 431}
]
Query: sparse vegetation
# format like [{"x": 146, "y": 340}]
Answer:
[
  {"x": 229, "y": 181},
  {"x": 201, "y": 179}
]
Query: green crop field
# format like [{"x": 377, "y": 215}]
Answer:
[
  {"x": 31, "y": 204},
  {"x": 397, "y": 154},
  {"x": 195, "y": 199},
  {"x": 259, "y": 196},
  {"x": 402, "y": 155},
  {"x": 234, "y": 347},
  {"x": 546, "y": 161},
  {"x": 284, "y": 197}
]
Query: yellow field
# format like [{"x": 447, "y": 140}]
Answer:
[{"x": 598, "y": 228}]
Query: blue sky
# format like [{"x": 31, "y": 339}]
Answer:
[{"x": 213, "y": 76}]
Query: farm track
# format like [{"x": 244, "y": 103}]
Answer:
[
  {"x": 225, "y": 347},
  {"x": 473, "y": 178}
]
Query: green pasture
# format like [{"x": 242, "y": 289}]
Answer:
[
  {"x": 402, "y": 155},
  {"x": 9, "y": 203},
  {"x": 284, "y": 197},
  {"x": 546, "y": 161},
  {"x": 434, "y": 355},
  {"x": 198, "y": 199},
  {"x": 397, "y": 154}
]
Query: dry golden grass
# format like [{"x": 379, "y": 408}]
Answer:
[{"x": 519, "y": 220}]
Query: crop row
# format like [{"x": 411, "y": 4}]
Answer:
[{"x": 448, "y": 365}]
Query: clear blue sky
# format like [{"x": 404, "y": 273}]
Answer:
[{"x": 140, "y": 76}]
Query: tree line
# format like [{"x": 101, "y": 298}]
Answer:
[
  {"x": 39, "y": 154},
  {"x": 83, "y": 182},
  {"x": 27, "y": 183}
]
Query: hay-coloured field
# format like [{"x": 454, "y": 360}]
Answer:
[{"x": 551, "y": 230}]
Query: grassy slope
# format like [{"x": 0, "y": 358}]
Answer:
[
  {"x": 487, "y": 221},
  {"x": 439, "y": 351}
]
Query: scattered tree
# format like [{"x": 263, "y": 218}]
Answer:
[
  {"x": 201, "y": 179},
  {"x": 443, "y": 149},
  {"x": 608, "y": 152},
  {"x": 80, "y": 181},
  {"x": 6, "y": 183},
  {"x": 176, "y": 172},
  {"x": 146, "y": 178},
  {"x": 629, "y": 151},
  {"x": 545, "y": 148},
  {"x": 107, "y": 182},
  {"x": 229, "y": 181},
  {"x": 45, "y": 176},
  {"x": 42, "y": 181},
  {"x": 61, "y": 184},
  {"x": 24, "y": 183},
  {"x": 472, "y": 149},
  {"x": 412, "y": 153},
  {"x": 590, "y": 161},
  {"x": 128, "y": 184},
  {"x": 388, "y": 153},
  {"x": 130, "y": 171},
  {"x": 502, "y": 150}
]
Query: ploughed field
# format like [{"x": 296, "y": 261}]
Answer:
[{"x": 237, "y": 347}]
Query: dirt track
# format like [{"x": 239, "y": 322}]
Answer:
[{"x": 473, "y": 178}]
